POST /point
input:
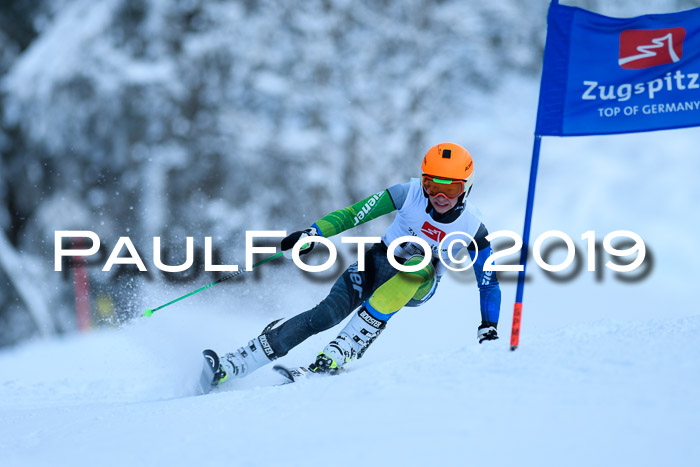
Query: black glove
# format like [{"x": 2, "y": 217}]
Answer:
[
  {"x": 487, "y": 331},
  {"x": 290, "y": 240}
]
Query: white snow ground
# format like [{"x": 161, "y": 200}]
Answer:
[
  {"x": 606, "y": 393},
  {"x": 607, "y": 373}
]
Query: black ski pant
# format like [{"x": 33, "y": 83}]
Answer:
[{"x": 351, "y": 289}]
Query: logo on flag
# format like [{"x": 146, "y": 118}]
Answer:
[
  {"x": 641, "y": 48},
  {"x": 432, "y": 232}
]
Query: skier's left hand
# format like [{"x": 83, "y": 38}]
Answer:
[
  {"x": 290, "y": 240},
  {"x": 487, "y": 332}
]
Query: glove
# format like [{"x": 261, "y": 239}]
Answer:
[
  {"x": 290, "y": 240},
  {"x": 487, "y": 332}
]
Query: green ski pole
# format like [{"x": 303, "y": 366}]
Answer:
[{"x": 150, "y": 311}]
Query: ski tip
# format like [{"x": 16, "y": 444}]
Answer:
[
  {"x": 147, "y": 313},
  {"x": 292, "y": 374},
  {"x": 212, "y": 359},
  {"x": 284, "y": 371},
  {"x": 209, "y": 371}
]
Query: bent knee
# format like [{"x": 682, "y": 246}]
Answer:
[{"x": 425, "y": 274}]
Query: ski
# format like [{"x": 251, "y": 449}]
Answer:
[
  {"x": 296, "y": 373},
  {"x": 211, "y": 371},
  {"x": 292, "y": 374}
]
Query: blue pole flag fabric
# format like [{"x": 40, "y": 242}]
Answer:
[{"x": 605, "y": 75}]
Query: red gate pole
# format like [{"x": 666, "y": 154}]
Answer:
[{"x": 81, "y": 282}]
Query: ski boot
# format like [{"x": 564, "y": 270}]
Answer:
[
  {"x": 245, "y": 360},
  {"x": 487, "y": 332},
  {"x": 351, "y": 343},
  {"x": 324, "y": 365}
]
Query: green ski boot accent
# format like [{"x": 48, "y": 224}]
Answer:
[{"x": 325, "y": 365}]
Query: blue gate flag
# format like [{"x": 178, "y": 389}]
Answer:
[{"x": 605, "y": 75}]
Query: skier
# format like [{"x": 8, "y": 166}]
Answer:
[{"x": 430, "y": 208}]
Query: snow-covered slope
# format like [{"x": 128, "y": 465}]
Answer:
[{"x": 606, "y": 393}]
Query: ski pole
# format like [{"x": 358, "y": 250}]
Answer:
[{"x": 150, "y": 311}]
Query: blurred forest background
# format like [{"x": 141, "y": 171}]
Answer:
[{"x": 146, "y": 118}]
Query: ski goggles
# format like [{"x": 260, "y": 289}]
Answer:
[{"x": 439, "y": 186}]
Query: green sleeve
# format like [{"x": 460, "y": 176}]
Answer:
[{"x": 343, "y": 219}]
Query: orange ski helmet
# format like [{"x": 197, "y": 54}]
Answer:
[{"x": 449, "y": 161}]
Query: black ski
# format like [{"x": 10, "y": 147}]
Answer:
[{"x": 292, "y": 374}]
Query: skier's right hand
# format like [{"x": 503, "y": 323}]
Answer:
[{"x": 290, "y": 240}]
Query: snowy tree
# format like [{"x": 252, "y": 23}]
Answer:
[{"x": 159, "y": 118}]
